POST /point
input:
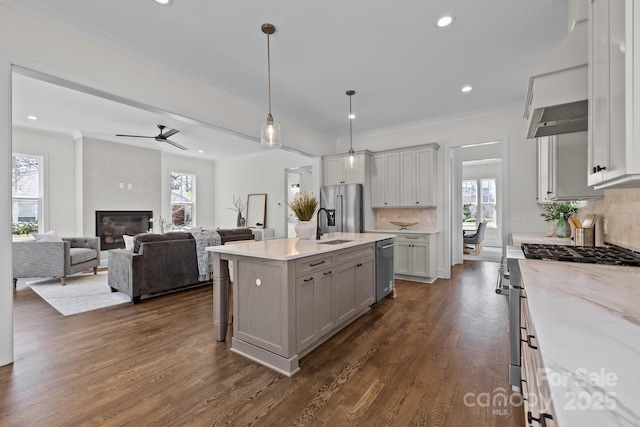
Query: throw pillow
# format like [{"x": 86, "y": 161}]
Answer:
[
  {"x": 128, "y": 242},
  {"x": 49, "y": 236}
]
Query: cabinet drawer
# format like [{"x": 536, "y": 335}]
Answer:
[
  {"x": 412, "y": 238},
  {"x": 312, "y": 264},
  {"x": 359, "y": 253}
]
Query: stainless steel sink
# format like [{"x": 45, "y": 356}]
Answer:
[{"x": 333, "y": 242}]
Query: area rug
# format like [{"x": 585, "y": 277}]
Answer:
[{"x": 83, "y": 292}]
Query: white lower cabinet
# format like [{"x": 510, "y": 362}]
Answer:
[
  {"x": 538, "y": 405},
  {"x": 415, "y": 257}
]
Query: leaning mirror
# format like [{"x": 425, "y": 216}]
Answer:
[{"x": 256, "y": 210}]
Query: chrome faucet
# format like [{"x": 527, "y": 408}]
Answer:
[{"x": 331, "y": 220}]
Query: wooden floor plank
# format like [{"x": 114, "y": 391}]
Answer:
[{"x": 409, "y": 361}]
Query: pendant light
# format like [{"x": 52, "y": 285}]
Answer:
[
  {"x": 351, "y": 162},
  {"x": 270, "y": 130}
]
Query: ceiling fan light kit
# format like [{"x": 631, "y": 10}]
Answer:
[
  {"x": 351, "y": 161},
  {"x": 270, "y": 136}
]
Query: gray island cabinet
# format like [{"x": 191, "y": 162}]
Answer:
[{"x": 291, "y": 295}]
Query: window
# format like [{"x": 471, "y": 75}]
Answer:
[
  {"x": 479, "y": 195},
  {"x": 26, "y": 193},
  {"x": 183, "y": 199}
]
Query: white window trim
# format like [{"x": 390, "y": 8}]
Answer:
[
  {"x": 479, "y": 203},
  {"x": 43, "y": 199},
  {"x": 193, "y": 195}
]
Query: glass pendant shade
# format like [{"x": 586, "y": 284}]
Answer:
[
  {"x": 351, "y": 161},
  {"x": 270, "y": 136},
  {"x": 270, "y": 133}
]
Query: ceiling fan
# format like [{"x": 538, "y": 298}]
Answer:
[{"x": 162, "y": 136}]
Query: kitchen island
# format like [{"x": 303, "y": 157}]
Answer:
[
  {"x": 585, "y": 330},
  {"x": 291, "y": 295}
]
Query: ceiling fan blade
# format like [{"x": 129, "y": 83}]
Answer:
[
  {"x": 136, "y": 136},
  {"x": 175, "y": 144},
  {"x": 168, "y": 133}
]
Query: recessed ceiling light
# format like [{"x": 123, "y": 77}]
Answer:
[
  {"x": 352, "y": 116},
  {"x": 164, "y": 2},
  {"x": 32, "y": 118},
  {"x": 466, "y": 88},
  {"x": 200, "y": 151},
  {"x": 445, "y": 21}
]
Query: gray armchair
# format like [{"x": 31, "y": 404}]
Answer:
[
  {"x": 476, "y": 238},
  {"x": 31, "y": 258}
]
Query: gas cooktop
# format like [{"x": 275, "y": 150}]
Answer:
[{"x": 598, "y": 255}]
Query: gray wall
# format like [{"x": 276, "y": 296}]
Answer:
[{"x": 105, "y": 165}]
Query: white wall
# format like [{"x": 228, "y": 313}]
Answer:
[
  {"x": 59, "y": 177},
  {"x": 6, "y": 291},
  {"x": 264, "y": 173},
  {"x": 520, "y": 183}
]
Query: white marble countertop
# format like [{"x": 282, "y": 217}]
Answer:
[
  {"x": 294, "y": 248},
  {"x": 524, "y": 237},
  {"x": 587, "y": 322},
  {"x": 397, "y": 231}
]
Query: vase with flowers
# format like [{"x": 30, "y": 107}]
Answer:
[
  {"x": 239, "y": 206},
  {"x": 304, "y": 205},
  {"x": 557, "y": 214}
]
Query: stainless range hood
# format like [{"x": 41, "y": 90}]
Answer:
[{"x": 557, "y": 96}]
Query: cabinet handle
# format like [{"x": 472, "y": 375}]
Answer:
[
  {"x": 542, "y": 420},
  {"x": 328, "y": 273},
  {"x": 317, "y": 263},
  {"x": 413, "y": 238},
  {"x": 522, "y": 388},
  {"x": 528, "y": 341},
  {"x": 599, "y": 168},
  {"x": 308, "y": 280},
  {"x": 358, "y": 265}
]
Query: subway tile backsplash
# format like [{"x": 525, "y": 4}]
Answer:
[
  {"x": 621, "y": 209},
  {"x": 425, "y": 217}
]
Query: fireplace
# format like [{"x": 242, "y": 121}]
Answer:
[{"x": 112, "y": 225}]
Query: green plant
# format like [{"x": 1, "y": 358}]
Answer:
[
  {"x": 304, "y": 206},
  {"x": 23, "y": 228},
  {"x": 553, "y": 211}
]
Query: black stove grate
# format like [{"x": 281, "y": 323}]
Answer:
[{"x": 595, "y": 255}]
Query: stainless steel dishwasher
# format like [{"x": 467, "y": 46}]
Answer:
[{"x": 384, "y": 268}]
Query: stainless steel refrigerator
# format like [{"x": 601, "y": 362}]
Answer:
[{"x": 347, "y": 201}]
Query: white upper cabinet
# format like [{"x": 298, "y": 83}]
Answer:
[
  {"x": 562, "y": 163},
  {"x": 385, "y": 180},
  {"x": 335, "y": 171},
  {"x": 614, "y": 94},
  {"x": 405, "y": 178}
]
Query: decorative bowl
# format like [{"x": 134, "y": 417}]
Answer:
[{"x": 403, "y": 225}]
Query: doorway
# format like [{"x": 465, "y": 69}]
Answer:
[
  {"x": 478, "y": 169},
  {"x": 296, "y": 180}
]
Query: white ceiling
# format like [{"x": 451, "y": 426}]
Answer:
[{"x": 404, "y": 69}]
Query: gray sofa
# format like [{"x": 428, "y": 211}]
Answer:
[
  {"x": 166, "y": 262},
  {"x": 31, "y": 258},
  {"x": 158, "y": 263}
]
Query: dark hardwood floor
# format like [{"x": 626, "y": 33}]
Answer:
[{"x": 435, "y": 356}]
